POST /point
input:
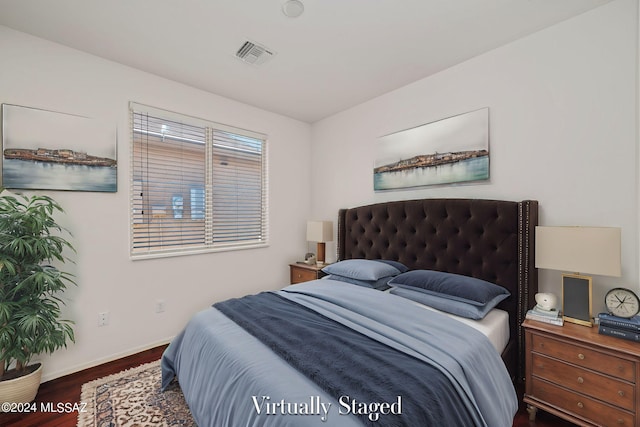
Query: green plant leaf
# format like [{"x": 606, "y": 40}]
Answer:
[{"x": 30, "y": 288}]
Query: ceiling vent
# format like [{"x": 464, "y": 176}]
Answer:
[{"x": 254, "y": 53}]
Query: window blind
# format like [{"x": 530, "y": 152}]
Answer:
[{"x": 195, "y": 185}]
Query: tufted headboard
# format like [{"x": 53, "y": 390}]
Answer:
[{"x": 491, "y": 240}]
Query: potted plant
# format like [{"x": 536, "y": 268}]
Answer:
[{"x": 30, "y": 315}]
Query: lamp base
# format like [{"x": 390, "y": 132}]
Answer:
[
  {"x": 320, "y": 253},
  {"x": 576, "y": 299}
]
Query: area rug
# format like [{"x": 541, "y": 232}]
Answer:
[{"x": 132, "y": 398}]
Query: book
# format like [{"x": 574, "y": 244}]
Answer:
[
  {"x": 619, "y": 333},
  {"x": 554, "y": 314},
  {"x": 532, "y": 315},
  {"x": 629, "y": 324}
]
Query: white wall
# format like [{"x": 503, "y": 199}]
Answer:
[
  {"x": 40, "y": 74},
  {"x": 562, "y": 131}
]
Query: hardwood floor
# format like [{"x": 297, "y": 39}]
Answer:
[{"x": 67, "y": 389}]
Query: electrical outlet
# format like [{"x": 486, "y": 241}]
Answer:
[
  {"x": 103, "y": 318},
  {"x": 160, "y": 306}
]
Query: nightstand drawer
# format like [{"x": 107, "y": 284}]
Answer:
[
  {"x": 305, "y": 272},
  {"x": 582, "y": 406},
  {"x": 300, "y": 275},
  {"x": 584, "y": 381},
  {"x": 585, "y": 357}
]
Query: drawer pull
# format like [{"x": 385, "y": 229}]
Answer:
[
  {"x": 580, "y": 380},
  {"x": 620, "y": 393},
  {"x": 580, "y": 356},
  {"x": 580, "y": 405},
  {"x": 620, "y": 421}
]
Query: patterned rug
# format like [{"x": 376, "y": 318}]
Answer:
[{"x": 133, "y": 398}]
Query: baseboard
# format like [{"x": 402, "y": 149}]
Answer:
[{"x": 53, "y": 375}]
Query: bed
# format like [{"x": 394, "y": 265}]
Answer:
[{"x": 327, "y": 352}]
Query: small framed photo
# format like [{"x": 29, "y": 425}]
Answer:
[{"x": 576, "y": 299}]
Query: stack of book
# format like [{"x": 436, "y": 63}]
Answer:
[
  {"x": 621, "y": 327},
  {"x": 547, "y": 316}
]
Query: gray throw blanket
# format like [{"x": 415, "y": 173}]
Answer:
[{"x": 350, "y": 366}]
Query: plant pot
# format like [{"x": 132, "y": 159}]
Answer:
[{"x": 22, "y": 389}]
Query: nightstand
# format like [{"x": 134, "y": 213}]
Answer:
[
  {"x": 576, "y": 373},
  {"x": 304, "y": 272}
]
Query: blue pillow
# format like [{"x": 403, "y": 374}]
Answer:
[
  {"x": 361, "y": 269},
  {"x": 462, "y": 309},
  {"x": 400, "y": 266},
  {"x": 451, "y": 286},
  {"x": 380, "y": 284}
]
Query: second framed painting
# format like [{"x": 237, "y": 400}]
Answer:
[{"x": 447, "y": 151}]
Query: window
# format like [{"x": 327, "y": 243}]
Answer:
[{"x": 195, "y": 185}]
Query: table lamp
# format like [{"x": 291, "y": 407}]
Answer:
[
  {"x": 590, "y": 250},
  {"x": 320, "y": 232}
]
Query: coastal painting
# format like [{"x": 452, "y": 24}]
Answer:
[
  {"x": 47, "y": 150},
  {"x": 447, "y": 151}
]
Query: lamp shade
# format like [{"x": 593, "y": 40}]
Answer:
[
  {"x": 590, "y": 250},
  {"x": 319, "y": 231}
]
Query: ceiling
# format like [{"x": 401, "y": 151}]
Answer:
[{"x": 338, "y": 54}]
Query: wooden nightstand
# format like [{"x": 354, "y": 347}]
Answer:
[
  {"x": 304, "y": 272},
  {"x": 580, "y": 375}
]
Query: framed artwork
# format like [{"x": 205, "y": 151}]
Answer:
[
  {"x": 47, "y": 150},
  {"x": 448, "y": 151},
  {"x": 576, "y": 299}
]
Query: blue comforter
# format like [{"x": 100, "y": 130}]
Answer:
[{"x": 230, "y": 378}]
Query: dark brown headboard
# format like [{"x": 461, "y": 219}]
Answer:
[{"x": 487, "y": 239}]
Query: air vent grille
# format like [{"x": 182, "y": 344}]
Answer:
[{"x": 254, "y": 53}]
